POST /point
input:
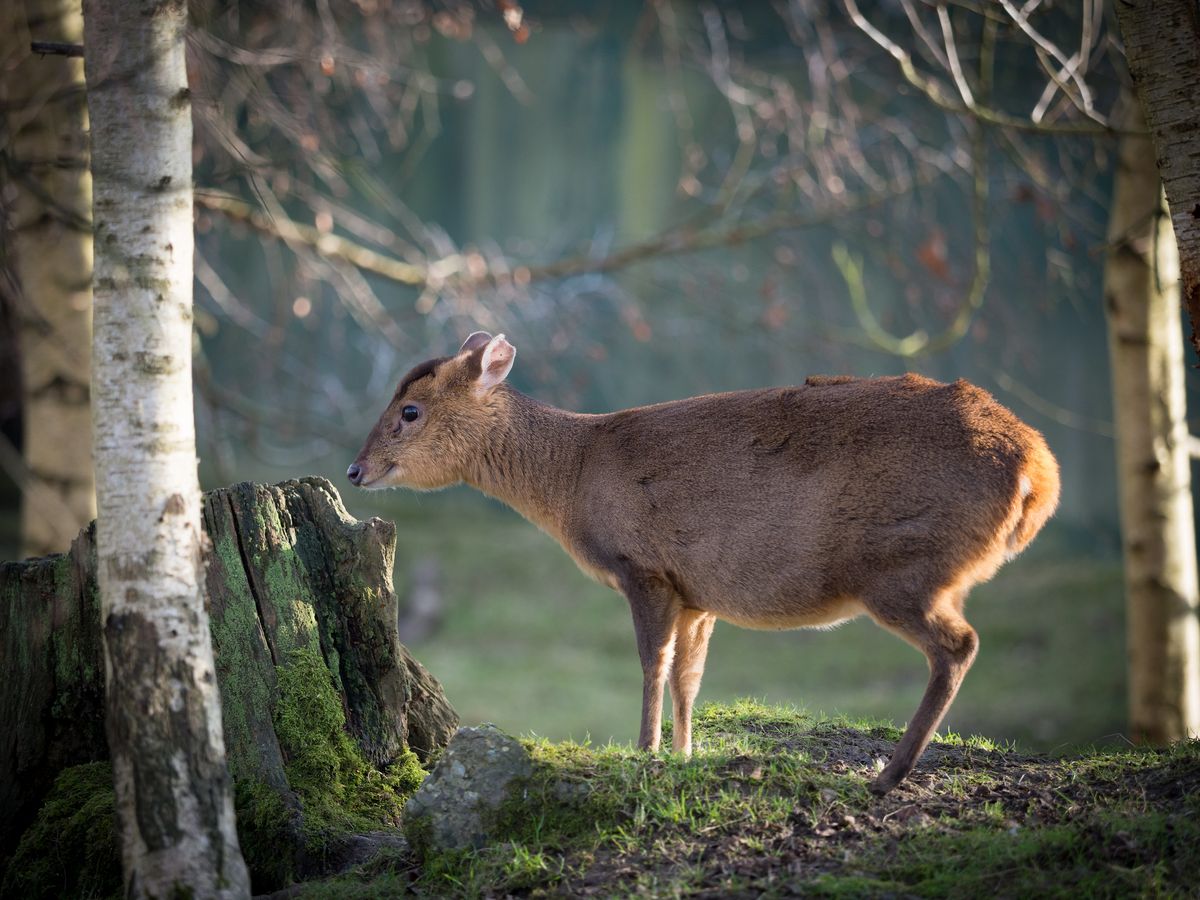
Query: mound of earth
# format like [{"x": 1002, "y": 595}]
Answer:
[{"x": 775, "y": 802}]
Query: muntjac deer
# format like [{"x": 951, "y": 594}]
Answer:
[{"x": 780, "y": 508}]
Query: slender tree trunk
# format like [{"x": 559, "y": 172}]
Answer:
[
  {"x": 45, "y": 170},
  {"x": 1162, "y": 46},
  {"x": 163, "y": 714},
  {"x": 1146, "y": 348}
]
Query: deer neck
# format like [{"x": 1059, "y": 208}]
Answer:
[{"x": 532, "y": 458}]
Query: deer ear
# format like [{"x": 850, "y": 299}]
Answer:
[
  {"x": 496, "y": 363},
  {"x": 475, "y": 341}
]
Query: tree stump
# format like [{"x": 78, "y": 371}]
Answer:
[{"x": 318, "y": 695}]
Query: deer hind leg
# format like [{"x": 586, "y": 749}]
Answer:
[
  {"x": 655, "y": 607},
  {"x": 949, "y": 643},
  {"x": 692, "y": 630}
]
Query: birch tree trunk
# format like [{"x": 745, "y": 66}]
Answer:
[
  {"x": 45, "y": 172},
  {"x": 163, "y": 716},
  {"x": 1146, "y": 349},
  {"x": 1162, "y": 47}
]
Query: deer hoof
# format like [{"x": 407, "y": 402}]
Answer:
[{"x": 883, "y": 785}]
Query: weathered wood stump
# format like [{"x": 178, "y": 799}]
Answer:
[{"x": 321, "y": 702}]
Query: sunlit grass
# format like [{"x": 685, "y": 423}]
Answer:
[{"x": 775, "y": 802}]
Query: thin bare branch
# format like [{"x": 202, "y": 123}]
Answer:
[
  {"x": 1068, "y": 67},
  {"x": 56, "y": 48},
  {"x": 920, "y": 342},
  {"x": 956, "y": 70},
  {"x": 918, "y": 27},
  {"x": 329, "y": 245},
  {"x": 1050, "y": 409},
  {"x": 453, "y": 269},
  {"x": 938, "y": 96}
]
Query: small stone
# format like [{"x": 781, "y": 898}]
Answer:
[{"x": 470, "y": 782}]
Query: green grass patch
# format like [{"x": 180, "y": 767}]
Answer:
[
  {"x": 775, "y": 802},
  {"x": 1100, "y": 855},
  {"x": 587, "y": 803}
]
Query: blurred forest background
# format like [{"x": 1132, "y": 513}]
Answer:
[{"x": 655, "y": 200}]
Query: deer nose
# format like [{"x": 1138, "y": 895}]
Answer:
[{"x": 355, "y": 474}]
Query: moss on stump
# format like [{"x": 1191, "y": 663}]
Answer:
[{"x": 72, "y": 848}]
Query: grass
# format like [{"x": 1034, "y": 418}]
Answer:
[
  {"x": 775, "y": 803},
  {"x": 530, "y": 643}
]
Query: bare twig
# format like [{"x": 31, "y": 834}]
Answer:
[
  {"x": 918, "y": 27},
  {"x": 1053, "y": 411},
  {"x": 1069, "y": 68},
  {"x": 326, "y": 244},
  {"x": 939, "y": 97},
  {"x": 955, "y": 66},
  {"x": 453, "y": 269},
  {"x": 56, "y": 48},
  {"x": 920, "y": 342}
]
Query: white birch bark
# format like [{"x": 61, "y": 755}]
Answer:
[
  {"x": 163, "y": 715},
  {"x": 1162, "y": 46},
  {"x": 49, "y": 206},
  {"x": 1141, "y": 278}
]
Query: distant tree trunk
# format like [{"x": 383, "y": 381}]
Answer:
[
  {"x": 45, "y": 170},
  {"x": 1162, "y": 46},
  {"x": 1146, "y": 349},
  {"x": 163, "y": 715}
]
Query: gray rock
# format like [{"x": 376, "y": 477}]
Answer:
[{"x": 454, "y": 805}]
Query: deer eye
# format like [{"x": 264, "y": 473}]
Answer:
[{"x": 410, "y": 413}]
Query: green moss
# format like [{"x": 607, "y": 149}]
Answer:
[
  {"x": 291, "y": 597},
  {"x": 338, "y": 789},
  {"x": 71, "y": 849},
  {"x": 773, "y": 803},
  {"x": 358, "y": 887},
  {"x": 418, "y": 831},
  {"x": 267, "y": 835},
  {"x": 237, "y": 646}
]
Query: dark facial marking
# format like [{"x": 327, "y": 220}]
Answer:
[{"x": 417, "y": 373}]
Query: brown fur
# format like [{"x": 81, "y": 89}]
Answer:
[{"x": 777, "y": 508}]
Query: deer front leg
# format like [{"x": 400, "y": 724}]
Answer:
[
  {"x": 692, "y": 631},
  {"x": 655, "y": 608}
]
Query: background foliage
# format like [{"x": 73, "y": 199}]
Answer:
[{"x": 590, "y": 184}]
